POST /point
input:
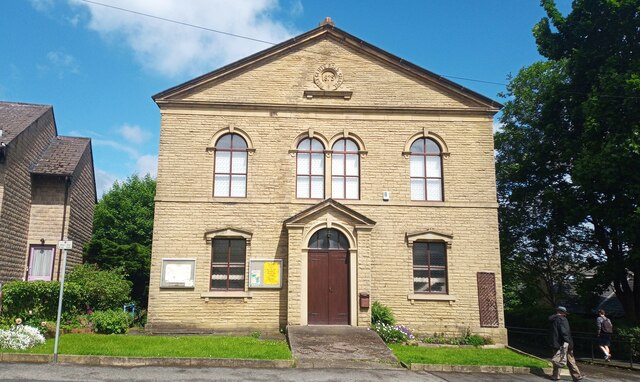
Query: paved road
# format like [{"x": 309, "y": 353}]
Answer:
[{"x": 67, "y": 373}]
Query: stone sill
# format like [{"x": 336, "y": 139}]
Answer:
[
  {"x": 431, "y": 297},
  {"x": 221, "y": 294}
]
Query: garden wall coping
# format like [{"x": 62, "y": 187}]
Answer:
[{"x": 147, "y": 361}]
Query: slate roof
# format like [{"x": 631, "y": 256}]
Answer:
[
  {"x": 61, "y": 157},
  {"x": 16, "y": 117}
]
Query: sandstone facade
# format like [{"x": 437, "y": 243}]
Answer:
[{"x": 278, "y": 98}]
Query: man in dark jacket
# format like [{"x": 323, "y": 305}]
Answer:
[{"x": 561, "y": 334}]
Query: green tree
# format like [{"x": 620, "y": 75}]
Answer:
[
  {"x": 569, "y": 151},
  {"x": 539, "y": 258},
  {"x": 122, "y": 232}
]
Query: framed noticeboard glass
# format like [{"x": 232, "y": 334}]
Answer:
[
  {"x": 265, "y": 273},
  {"x": 178, "y": 273}
]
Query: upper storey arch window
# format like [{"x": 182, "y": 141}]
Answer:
[
  {"x": 310, "y": 169},
  {"x": 426, "y": 170},
  {"x": 230, "y": 167},
  {"x": 345, "y": 170}
]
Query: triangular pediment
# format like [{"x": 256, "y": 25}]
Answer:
[
  {"x": 329, "y": 207},
  {"x": 292, "y": 74}
]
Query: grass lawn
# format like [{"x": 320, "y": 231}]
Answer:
[
  {"x": 165, "y": 346},
  {"x": 463, "y": 356}
]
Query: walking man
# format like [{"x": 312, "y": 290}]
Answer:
[
  {"x": 605, "y": 329},
  {"x": 561, "y": 334}
]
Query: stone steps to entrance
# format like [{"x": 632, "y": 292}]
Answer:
[{"x": 335, "y": 346}]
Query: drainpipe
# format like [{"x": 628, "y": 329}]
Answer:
[{"x": 67, "y": 183}]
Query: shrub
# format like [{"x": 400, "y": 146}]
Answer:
[
  {"x": 632, "y": 335},
  {"x": 101, "y": 290},
  {"x": 381, "y": 314},
  {"x": 110, "y": 321},
  {"x": 20, "y": 337},
  {"x": 7, "y": 322},
  {"x": 392, "y": 334},
  {"x": 39, "y": 299}
]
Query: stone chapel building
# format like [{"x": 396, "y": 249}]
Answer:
[{"x": 301, "y": 184}]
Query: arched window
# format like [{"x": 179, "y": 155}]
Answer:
[
  {"x": 345, "y": 170},
  {"x": 426, "y": 170},
  {"x": 310, "y": 169},
  {"x": 230, "y": 167},
  {"x": 328, "y": 239}
]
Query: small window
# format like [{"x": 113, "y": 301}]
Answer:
[
  {"x": 429, "y": 267},
  {"x": 228, "y": 264},
  {"x": 230, "y": 167},
  {"x": 41, "y": 261},
  {"x": 310, "y": 169},
  {"x": 345, "y": 170},
  {"x": 426, "y": 170}
]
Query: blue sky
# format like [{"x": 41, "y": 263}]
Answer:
[{"x": 99, "y": 66}]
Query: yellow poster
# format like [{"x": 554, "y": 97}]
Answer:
[{"x": 271, "y": 273}]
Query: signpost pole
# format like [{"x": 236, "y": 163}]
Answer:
[{"x": 64, "y": 245}]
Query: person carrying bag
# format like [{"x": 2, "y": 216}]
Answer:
[{"x": 605, "y": 329}]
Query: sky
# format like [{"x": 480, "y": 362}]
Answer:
[{"x": 99, "y": 66}]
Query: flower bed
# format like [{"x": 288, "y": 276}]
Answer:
[{"x": 20, "y": 337}]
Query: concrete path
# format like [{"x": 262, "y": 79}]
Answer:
[{"x": 339, "y": 347}]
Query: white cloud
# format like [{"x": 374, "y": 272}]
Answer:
[
  {"x": 497, "y": 126},
  {"x": 134, "y": 133},
  {"x": 42, "y": 5},
  {"x": 147, "y": 164},
  {"x": 104, "y": 181},
  {"x": 60, "y": 63},
  {"x": 172, "y": 49},
  {"x": 133, "y": 153},
  {"x": 295, "y": 8}
]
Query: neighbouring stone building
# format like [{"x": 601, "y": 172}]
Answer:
[
  {"x": 301, "y": 184},
  {"x": 47, "y": 193}
]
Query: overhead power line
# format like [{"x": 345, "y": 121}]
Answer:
[
  {"x": 237, "y": 35},
  {"x": 177, "y": 22},
  {"x": 273, "y": 43}
]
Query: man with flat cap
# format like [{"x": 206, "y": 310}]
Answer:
[{"x": 561, "y": 337}]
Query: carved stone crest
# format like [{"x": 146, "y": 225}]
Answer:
[{"x": 328, "y": 77}]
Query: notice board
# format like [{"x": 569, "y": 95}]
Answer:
[
  {"x": 178, "y": 273},
  {"x": 265, "y": 273}
]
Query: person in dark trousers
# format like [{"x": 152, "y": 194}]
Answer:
[
  {"x": 561, "y": 334},
  {"x": 605, "y": 329}
]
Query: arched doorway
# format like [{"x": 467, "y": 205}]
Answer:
[{"x": 328, "y": 278}]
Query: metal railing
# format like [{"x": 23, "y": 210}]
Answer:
[{"x": 585, "y": 345}]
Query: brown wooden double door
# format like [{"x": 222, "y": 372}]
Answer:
[{"x": 328, "y": 289}]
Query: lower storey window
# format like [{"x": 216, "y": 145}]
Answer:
[
  {"x": 228, "y": 264},
  {"x": 429, "y": 267}
]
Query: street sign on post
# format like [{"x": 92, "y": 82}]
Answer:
[{"x": 64, "y": 245}]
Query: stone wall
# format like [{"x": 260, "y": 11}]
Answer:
[
  {"x": 16, "y": 202},
  {"x": 47, "y": 201},
  {"x": 82, "y": 200}
]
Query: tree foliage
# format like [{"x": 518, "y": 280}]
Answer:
[
  {"x": 569, "y": 153},
  {"x": 122, "y": 232}
]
